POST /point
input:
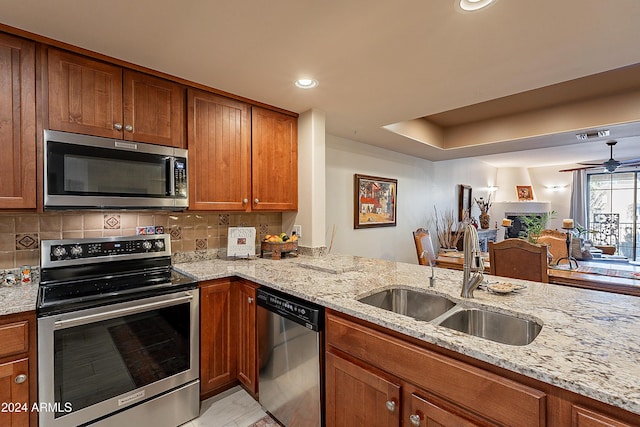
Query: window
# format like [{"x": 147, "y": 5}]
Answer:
[{"x": 613, "y": 211}]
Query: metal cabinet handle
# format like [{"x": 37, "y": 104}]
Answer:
[
  {"x": 249, "y": 300},
  {"x": 128, "y": 128},
  {"x": 245, "y": 201},
  {"x": 20, "y": 379},
  {"x": 117, "y": 126},
  {"x": 415, "y": 419},
  {"x": 391, "y": 405},
  {"x": 256, "y": 201}
]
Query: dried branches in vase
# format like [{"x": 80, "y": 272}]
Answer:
[
  {"x": 484, "y": 206},
  {"x": 448, "y": 229}
]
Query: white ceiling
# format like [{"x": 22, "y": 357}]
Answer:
[{"x": 378, "y": 62}]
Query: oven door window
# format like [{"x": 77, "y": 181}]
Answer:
[
  {"x": 91, "y": 171},
  {"x": 101, "y": 360}
]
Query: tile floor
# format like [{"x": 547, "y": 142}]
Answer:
[{"x": 232, "y": 408}]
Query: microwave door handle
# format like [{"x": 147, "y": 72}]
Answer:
[{"x": 171, "y": 178}]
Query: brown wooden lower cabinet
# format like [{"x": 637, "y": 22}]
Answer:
[
  {"x": 583, "y": 417},
  {"x": 245, "y": 292},
  {"x": 227, "y": 336},
  {"x": 358, "y": 396},
  {"x": 218, "y": 366},
  {"x": 18, "y": 370},
  {"x": 370, "y": 370},
  {"x": 424, "y": 411}
]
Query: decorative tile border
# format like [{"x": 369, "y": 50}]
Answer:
[
  {"x": 112, "y": 222},
  {"x": 27, "y": 241},
  {"x": 176, "y": 232},
  {"x": 201, "y": 244}
]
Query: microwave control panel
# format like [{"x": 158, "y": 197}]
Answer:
[{"x": 180, "y": 177}]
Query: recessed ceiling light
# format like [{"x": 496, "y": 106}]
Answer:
[
  {"x": 306, "y": 83},
  {"x": 471, "y": 5}
]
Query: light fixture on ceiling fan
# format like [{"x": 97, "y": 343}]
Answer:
[{"x": 610, "y": 165}]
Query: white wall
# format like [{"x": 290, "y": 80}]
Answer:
[
  {"x": 421, "y": 185},
  {"x": 560, "y": 198}
]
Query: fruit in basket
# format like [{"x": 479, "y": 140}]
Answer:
[{"x": 280, "y": 238}]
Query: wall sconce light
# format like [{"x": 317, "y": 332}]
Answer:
[{"x": 556, "y": 187}]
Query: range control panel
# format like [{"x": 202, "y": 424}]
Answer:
[{"x": 66, "y": 251}]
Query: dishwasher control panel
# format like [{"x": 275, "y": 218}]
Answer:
[{"x": 294, "y": 309}]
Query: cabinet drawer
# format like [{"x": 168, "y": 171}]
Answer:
[
  {"x": 477, "y": 390},
  {"x": 14, "y": 338},
  {"x": 583, "y": 417}
]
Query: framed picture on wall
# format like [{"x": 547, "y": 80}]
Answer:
[
  {"x": 464, "y": 202},
  {"x": 525, "y": 192},
  {"x": 375, "y": 201}
]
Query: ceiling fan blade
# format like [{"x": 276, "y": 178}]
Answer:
[
  {"x": 579, "y": 169},
  {"x": 592, "y": 164},
  {"x": 629, "y": 162}
]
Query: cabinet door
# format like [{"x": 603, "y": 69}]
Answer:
[
  {"x": 17, "y": 123},
  {"x": 14, "y": 392},
  {"x": 85, "y": 96},
  {"x": 217, "y": 342},
  {"x": 583, "y": 417},
  {"x": 274, "y": 147},
  {"x": 153, "y": 110},
  {"x": 246, "y": 309},
  {"x": 424, "y": 413},
  {"x": 356, "y": 396},
  {"x": 219, "y": 141}
]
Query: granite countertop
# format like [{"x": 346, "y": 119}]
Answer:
[
  {"x": 589, "y": 344},
  {"x": 20, "y": 297}
]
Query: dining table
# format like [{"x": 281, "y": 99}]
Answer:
[{"x": 616, "y": 277}]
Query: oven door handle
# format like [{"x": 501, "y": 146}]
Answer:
[{"x": 92, "y": 318}]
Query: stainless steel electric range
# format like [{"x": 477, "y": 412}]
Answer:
[{"x": 118, "y": 334}]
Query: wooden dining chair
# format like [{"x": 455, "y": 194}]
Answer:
[
  {"x": 519, "y": 259},
  {"x": 557, "y": 242},
  {"x": 424, "y": 247}
]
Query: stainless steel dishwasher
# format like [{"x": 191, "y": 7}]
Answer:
[{"x": 290, "y": 354}]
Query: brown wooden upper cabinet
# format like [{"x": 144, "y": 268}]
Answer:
[
  {"x": 240, "y": 158},
  {"x": 219, "y": 140},
  {"x": 17, "y": 123},
  {"x": 96, "y": 98},
  {"x": 274, "y": 169}
]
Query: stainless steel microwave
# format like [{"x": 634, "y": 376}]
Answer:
[{"x": 89, "y": 172}]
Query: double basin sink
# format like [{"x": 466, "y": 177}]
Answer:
[{"x": 441, "y": 311}]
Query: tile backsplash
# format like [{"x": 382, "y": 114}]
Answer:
[{"x": 20, "y": 234}]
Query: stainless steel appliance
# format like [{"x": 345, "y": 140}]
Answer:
[
  {"x": 118, "y": 334},
  {"x": 82, "y": 171},
  {"x": 290, "y": 358}
]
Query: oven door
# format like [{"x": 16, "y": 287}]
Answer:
[
  {"x": 88, "y": 171},
  {"x": 94, "y": 362}
]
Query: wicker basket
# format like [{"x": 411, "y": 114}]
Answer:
[{"x": 278, "y": 249}]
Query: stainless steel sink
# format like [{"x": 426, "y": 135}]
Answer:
[
  {"x": 419, "y": 305},
  {"x": 502, "y": 328}
]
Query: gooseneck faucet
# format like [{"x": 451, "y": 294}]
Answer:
[{"x": 472, "y": 262}]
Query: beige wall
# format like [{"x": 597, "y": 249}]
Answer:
[
  {"x": 421, "y": 186},
  {"x": 20, "y": 234}
]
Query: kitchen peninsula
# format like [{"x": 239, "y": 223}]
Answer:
[
  {"x": 586, "y": 355},
  {"x": 589, "y": 343}
]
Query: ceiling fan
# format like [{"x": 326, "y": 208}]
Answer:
[{"x": 610, "y": 165}]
